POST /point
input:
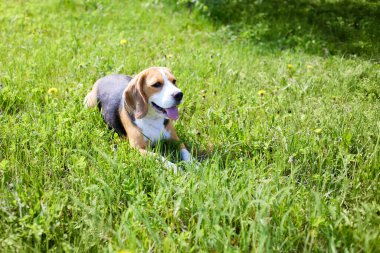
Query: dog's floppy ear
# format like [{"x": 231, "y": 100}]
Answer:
[{"x": 135, "y": 99}]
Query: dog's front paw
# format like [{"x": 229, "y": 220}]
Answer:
[
  {"x": 189, "y": 159},
  {"x": 185, "y": 155}
]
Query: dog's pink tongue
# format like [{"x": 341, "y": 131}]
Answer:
[{"x": 172, "y": 112}]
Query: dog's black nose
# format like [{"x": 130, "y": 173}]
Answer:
[{"x": 178, "y": 96}]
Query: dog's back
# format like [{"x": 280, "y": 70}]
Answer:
[{"x": 107, "y": 93}]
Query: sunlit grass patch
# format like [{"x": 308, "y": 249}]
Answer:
[{"x": 288, "y": 141}]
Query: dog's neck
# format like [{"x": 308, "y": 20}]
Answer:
[{"x": 152, "y": 126}]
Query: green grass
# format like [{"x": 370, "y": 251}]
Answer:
[
  {"x": 319, "y": 27},
  {"x": 294, "y": 168}
]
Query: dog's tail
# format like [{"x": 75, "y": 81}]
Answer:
[{"x": 91, "y": 100}]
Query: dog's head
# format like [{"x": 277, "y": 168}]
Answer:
[{"x": 153, "y": 90}]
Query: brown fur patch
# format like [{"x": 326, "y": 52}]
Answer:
[
  {"x": 153, "y": 76},
  {"x": 170, "y": 75},
  {"x": 135, "y": 98},
  {"x": 136, "y": 138}
]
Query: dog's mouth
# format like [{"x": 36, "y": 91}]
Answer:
[{"x": 171, "y": 113}]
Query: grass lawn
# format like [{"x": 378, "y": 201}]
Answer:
[{"x": 288, "y": 139}]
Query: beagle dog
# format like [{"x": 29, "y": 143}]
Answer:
[{"x": 141, "y": 108}]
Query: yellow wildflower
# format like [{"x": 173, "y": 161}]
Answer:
[
  {"x": 52, "y": 90},
  {"x": 290, "y": 66},
  {"x": 318, "y": 130},
  {"x": 123, "y": 42},
  {"x": 261, "y": 93},
  {"x": 309, "y": 67}
]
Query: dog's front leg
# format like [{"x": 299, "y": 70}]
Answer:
[
  {"x": 136, "y": 139},
  {"x": 185, "y": 154}
]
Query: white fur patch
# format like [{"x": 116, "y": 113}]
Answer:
[{"x": 152, "y": 126}]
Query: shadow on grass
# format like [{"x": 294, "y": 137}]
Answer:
[
  {"x": 171, "y": 150},
  {"x": 319, "y": 27}
]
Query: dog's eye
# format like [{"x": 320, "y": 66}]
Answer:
[
  {"x": 157, "y": 85},
  {"x": 174, "y": 81}
]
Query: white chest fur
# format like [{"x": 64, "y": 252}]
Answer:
[{"x": 152, "y": 126}]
